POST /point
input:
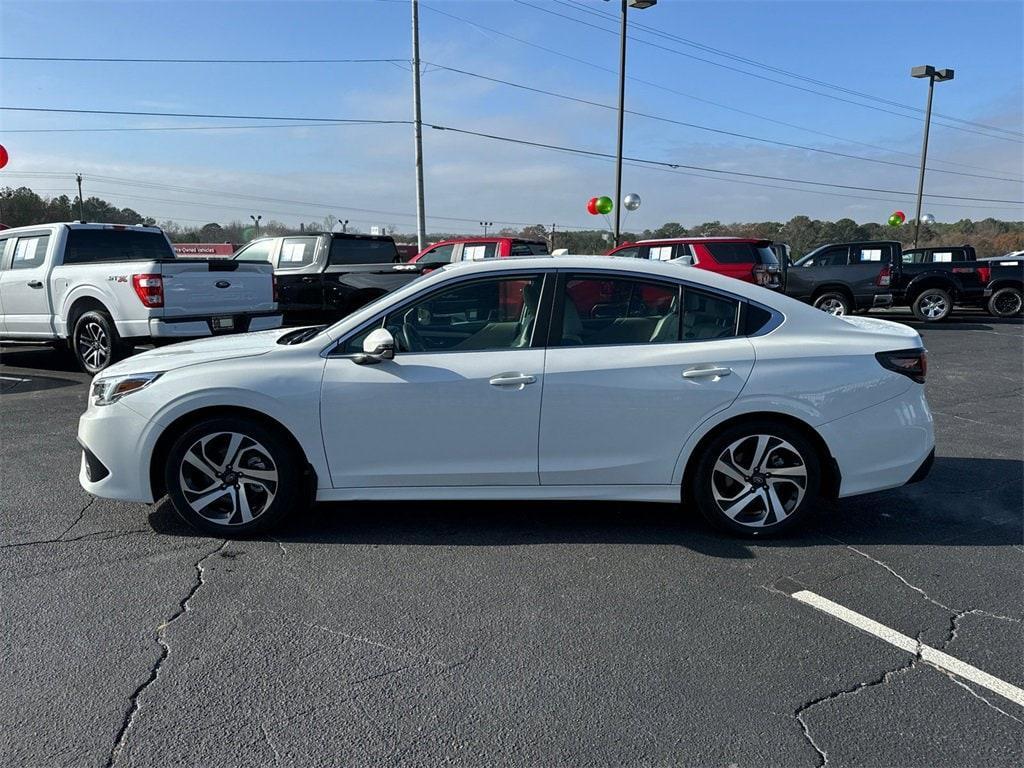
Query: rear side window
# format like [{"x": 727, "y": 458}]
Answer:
[
  {"x": 85, "y": 246},
  {"x": 357, "y": 250},
  {"x": 733, "y": 253},
  {"x": 869, "y": 254},
  {"x": 598, "y": 311},
  {"x": 297, "y": 252},
  {"x": 708, "y": 317},
  {"x": 30, "y": 252},
  {"x": 528, "y": 249},
  {"x": 479, "y": 251},
  {"x": 662, "y": 253}
]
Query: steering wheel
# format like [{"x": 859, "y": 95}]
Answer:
[{"x": 411, "y": 339}]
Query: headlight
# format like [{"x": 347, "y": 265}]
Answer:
[{"x": 111, "y": 389}]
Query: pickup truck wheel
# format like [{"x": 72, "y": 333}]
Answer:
[
  {"x": 232, "y": 476},
  {"x": 1006, "y": 302},
  {"x": 757, "y": 479},
  {"x": 94, "y": 341},
  {"x": 932, "y": 305},
  {"x": 834, "y": 303}
]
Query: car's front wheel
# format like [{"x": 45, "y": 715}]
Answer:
[
  {"x": 757, "y": 479},
  {"x": 1006, "y": 302},
  {"x": 231, "y": 476},
  {"x": 834, "y": 303},
  {"x": 932, "y": 305}
]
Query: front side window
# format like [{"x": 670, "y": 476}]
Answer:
[
  {"x": 598, "y": 311},
  {"x": 30, "y": 252},
  {"x": 480, "y": 315},
  {"x": 297, "y": 252},
  {"x": 261, "y": 250},
  {"x": 632, "y": 252},
  {"x": 442, "y": 254},
  {"x": 833, "y": 257}
]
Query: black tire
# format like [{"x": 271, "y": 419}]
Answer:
[
  {"x": 259, "y": 450},
  {"x": 834, "y": 303},
  {"x": 94, "y": 341},
  {"x": 787, "y": 449},
  {"x": 1006, "y": 302},
  {"x": 932, "y": 305}
]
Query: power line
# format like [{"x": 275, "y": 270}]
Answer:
[
  {"x": 186, "y": 128},
  {"x": 525, "y": 142},
  {"x": 824, "y": 94},
  {"x": 358, "y": 121},
  {"x": 576, "y": 5},
  {"x": 677, "y": 92},
  {"x": 720, "y": 131},
  {"x": 118, "y": 60}
]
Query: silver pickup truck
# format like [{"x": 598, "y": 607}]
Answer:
[{"x": 101, "y": 288}]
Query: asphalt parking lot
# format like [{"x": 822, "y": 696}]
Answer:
[{"x": 520, "y": 634}]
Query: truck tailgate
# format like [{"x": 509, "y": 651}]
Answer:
[{"x": 194, "y": 287}]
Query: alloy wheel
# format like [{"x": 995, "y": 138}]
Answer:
[
  {"x": 934, "y": 306},
  {"x": 93, "y": 345},
  {"x": 759, "y": 480},
  {"x": 832, "y": 307},
  {"x": 1008, "y": 303},
  {"x": 228, "y": 478}
]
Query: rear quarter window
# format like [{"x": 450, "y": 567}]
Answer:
[
  {"x": 85, "y": 246},
  {"x": 734, "y": 253}
]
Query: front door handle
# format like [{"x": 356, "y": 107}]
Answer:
[
  {"x": 517, "y": 380},
  {"x": 35, "y": 284},
  {"x": 702, "y": 372}
]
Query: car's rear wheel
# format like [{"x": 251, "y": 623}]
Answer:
[
  {"x": 834, "y": 303},
  {"x": 757, "y": 479},
  {"x": 1006, "y": 302},
  {"x": 95, "y": 342},
  {"x": 932, "y": 305},
  {"x": 231, "y": 476}
]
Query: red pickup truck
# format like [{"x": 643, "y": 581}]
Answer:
[
  {"x": 476, "y": 248},
  {"x": 747, "y": 259}
]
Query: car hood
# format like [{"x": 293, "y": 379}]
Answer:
[
  {"x": 200, "y": 351},
  {"x": 884, "y": 328}
]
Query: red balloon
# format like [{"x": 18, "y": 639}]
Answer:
[
  {"x": 592, "y": 206},
  {"x": 4, "y": 157},
  {"x": 901, "y": 215}
]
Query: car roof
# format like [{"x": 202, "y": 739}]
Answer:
[
  {"x": 701, "y": 239},
  {"x": 81, "y": 225}
]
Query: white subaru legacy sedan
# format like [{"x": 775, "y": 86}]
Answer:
[{"x": 539, "y": 378}]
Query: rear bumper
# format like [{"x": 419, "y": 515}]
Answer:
[
  {"x": 885, "y": 446},
  {"x": 195, "y": 327}
]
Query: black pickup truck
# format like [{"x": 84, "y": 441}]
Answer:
[
  {"x": 1004, "y": 291},
  {"x": 841, "y": 278},
  {"x": 323, "y": 277}
]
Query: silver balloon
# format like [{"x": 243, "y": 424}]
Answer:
[
  {"x": 927, "y": 218},
  {"x": 631, "y": 201}
]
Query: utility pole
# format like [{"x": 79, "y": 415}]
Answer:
[
  {"x": 81, "y": 202},
  {"x": 932, "y": 74},
  {"x": 552, "y": 237},
  {"x": 421, "y": 225},
  {"x": 622, "y": 114}
]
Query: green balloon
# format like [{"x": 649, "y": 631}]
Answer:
[
  {"x": 894, "y": 221},
  {"x": 604, "y": 204}
]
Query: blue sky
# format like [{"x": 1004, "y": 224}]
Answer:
[{"x": 309, "y": 172}]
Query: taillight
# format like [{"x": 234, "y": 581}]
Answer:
[
  {"x": 273, "y": 282},
  {"x": 884, "y": 279},
  {"x": 985, "y": 274},
  {"x": 149, "y": 289},
  {"x": 912, "y": 363}
]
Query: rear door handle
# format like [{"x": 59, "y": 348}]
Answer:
[
  {"x": 701, "y": 372},
  {"x": 35, "y": 284},
  {"x": 518, "y": 380}
]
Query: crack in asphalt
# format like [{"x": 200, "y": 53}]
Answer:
[
  {"x": 66, "y": 531},
  {"x": 165, "y": 651},
  {"x": 886, "y": 677},
  {"x": 270, "y": 743}
]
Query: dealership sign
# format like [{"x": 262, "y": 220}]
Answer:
[{"x": 203, "y": 249}]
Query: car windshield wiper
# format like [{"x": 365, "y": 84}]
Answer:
[{"x": 300, "y": 335}]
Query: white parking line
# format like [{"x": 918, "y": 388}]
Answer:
[
  {"x": 13, "y": 378},
  {"x": 926, "y": 653}
]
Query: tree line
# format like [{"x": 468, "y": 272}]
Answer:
[{"x": 991, "y": 237}]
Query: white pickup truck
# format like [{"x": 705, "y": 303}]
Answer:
[{"x": 103, "y": 288}]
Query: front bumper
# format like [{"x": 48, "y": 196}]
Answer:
[
  {"x": 884, "y": 446},
  {"x": 196, "y": 327},
  {"x": 114, "y": 463}
]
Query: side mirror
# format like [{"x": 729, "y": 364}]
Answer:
[{"x": 378, "y": 346}]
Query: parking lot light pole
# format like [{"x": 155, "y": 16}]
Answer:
[
  {"x": 485, "y": 225},
  {"x": 417, "y": 117},
  {"x": 256, "y": 220},
  {"x": 626, "y": 5},
  {"x": 933, "y": 74}
]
